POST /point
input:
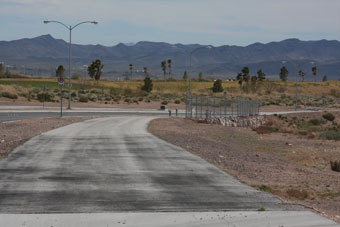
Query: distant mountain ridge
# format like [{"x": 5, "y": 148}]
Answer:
[{"x": 45, "y": 52}]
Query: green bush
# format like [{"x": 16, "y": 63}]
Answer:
[
  {"x": 177, "y": 101},
  {"x": 165, "y": 102},
  {"x": 83, "y": 98},
  {"x": 9, "y": 95},
  {"x": 329, "y": 117},
  {"x": 45, "y": 97},
  {"x": 330, "y": 135},
  {"x": 315, "y": 121},
  {"x": 217, "y": 87},
  {"x": 73, "y": 94},
  {"x": 148, "y": 85}
]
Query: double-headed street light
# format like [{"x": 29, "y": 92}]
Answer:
[
  {"x": 70, "y": 28},
  {"x": 190, "y": 53}
]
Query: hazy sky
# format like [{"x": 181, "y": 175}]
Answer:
[{"x": 217, "y": 22}]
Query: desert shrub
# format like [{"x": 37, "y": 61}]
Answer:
[
  {"x": 335, "y": 93},
  {"x": 164, "y": 102},
  {"x": 114, "y": 91},
  {"x": 177, "y": 101},
  {"x": 264, "y": 188},
  {"x": 6, "y": 94},
  {"x": 92, "y": 98},
  {"x": 95, "y": 92},
  {"x": 298, "y": 194},
  {"x": 127, "y": 100},
  {"x": 328, "y": 117},
  {"x": 47, "y": 97},
  {"x": 335, "y": 166},
  {"x": 82, "y": 92},
  {"x": 108, "y": 98},
  {"x": 127, "y": 92},
  {"x": 140, "y": 99},
  {"x": 83, "y": 98},
  {"x": 315, "y": 121},
  {"x": 36, "y": 90},
  {"x": 265, "y": 129},
  {"x": 330, "y": 135},
  {"x": 314, "y": 128}
]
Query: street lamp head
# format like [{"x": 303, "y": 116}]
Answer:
[
  {"x": 94, "y": 22},
  {"x": 46, "y": 21},
  {"x": 283, "y": 62}
]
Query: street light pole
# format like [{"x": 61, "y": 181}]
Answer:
[
  {"x": 70, "y": 28},
  {"x": 190, "y": 53}
]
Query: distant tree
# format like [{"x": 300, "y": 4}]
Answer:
[
  {"x": 284, "y": 73},
  {"x": 302, "y": 75},
  {"x": 324, "y": 79},
  {"x": 1, "y": 68},
  {"x": 314, "y": 70},
  {"x": 217, "y": 87},
  {"x": 148, "y": 85},
  {"x": 163, "y": 65},
  {"x": 131, "y": 70},
  {"x": 95, "y": 70},
  {"x": 260, "y": 75},
  {"x": 245, "y": 74},
  {"x": 200, "y": 77},
  {"x": 239, "y": 79},
  {"x": 145, "y": 70},
  {"x": 185, "y": 75},
  {"x": 60, "y": 72},
  {"x": 169, "y": 66}
]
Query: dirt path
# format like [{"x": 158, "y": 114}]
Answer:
[{"x": 291, "y": 167}]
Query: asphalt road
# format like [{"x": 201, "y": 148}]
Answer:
[
  {"x": 7, "y": 116},
  {"x": 113, "y": 165}
]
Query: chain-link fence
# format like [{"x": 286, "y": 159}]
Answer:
[{"x": 202, "y": 107}]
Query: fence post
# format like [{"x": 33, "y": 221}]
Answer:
[
  {"x": 196, "y": 107},
  {"x": 201, "y": 107}
]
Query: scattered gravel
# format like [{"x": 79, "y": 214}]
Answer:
[{"x": 289, "y": 166}]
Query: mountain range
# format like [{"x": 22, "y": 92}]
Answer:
[{"x": 41, "y": 55}]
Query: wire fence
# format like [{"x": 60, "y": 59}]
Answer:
[{"x": 202, "y": 107}]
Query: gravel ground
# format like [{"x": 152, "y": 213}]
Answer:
[
  {"x": 13, "y": 134},
  {"x": 289, "y": 166}
]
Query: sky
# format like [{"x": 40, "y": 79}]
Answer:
[{"x": 209, "y": 22}]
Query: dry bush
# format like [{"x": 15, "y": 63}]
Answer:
[
  {"x": 335, "y": 166},
  {"x": 295, "y": 193}
]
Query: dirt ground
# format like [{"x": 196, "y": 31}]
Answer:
[
  {"x": 13, "y": 134},
  {"x": 290, "y": 166}
]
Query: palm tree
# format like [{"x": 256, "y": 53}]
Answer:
[
  {"x": 314, "y": 72},
  {"x": 131, "y": 68},
  {"x": 169, "y": 66},
  {"x": 95, "y": 70},
  {"x": 163, "y": 65}
]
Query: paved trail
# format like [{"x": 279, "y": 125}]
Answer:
[{"x": 111, "y": 165}]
